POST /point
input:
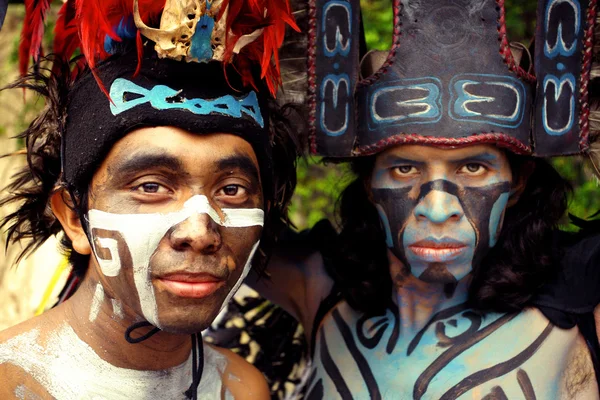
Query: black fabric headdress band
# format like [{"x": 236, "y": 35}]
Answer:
[{"x": 195, "y": 97}]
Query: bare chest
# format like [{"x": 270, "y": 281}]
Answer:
[{"x": 458, "y": 354}]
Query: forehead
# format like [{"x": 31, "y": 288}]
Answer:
[
  {"x": 171, "y": 145},
  {"x": 432, "y": 154}
]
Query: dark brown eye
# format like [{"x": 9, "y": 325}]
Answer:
[
  {"x": 150, "y": 187},
  {"x": 472, "y": 167},
  {"x": 231, "y": 190},
  {"x": 405, "y": 169}
]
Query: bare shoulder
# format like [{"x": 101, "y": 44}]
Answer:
[
  {"x": 16, "y": 344},
  {"x": 242, "y": 379},
  {"x": 296, "y": 280},
  {"x": 18, "y": 384}
]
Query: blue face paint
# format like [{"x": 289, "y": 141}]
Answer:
[
  {"x": 454, "y": 248},
  {"x": 163, "y": 97},
  {"x": 389, "y": 241},
  {"x": 445, "y": 231},
  {"x": 496, "y": 217}
]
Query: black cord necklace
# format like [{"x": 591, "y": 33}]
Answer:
[{"x": 197, "y": 354}]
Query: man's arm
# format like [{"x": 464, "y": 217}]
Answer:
[
  {"x": 241, "y": 379},
  {"x": 295, "y": 278}
]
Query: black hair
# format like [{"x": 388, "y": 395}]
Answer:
[
  {"x": 507, "y": 277},
  {"x": 33, "y": 186}
]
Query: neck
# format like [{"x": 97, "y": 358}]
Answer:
[
  {"x": 101, "y": 322},
  {"x": 419, "y": 301}
]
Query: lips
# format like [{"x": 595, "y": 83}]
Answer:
[
  {"x": 191, "y": 285},
  {"x": 442, "y": 250}
]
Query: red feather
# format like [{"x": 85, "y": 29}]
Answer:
[
  {"x": 33, "y": 32},
  {"x": 244, "y": 17},
  {"x": 66, "y": 38},
  {"x": 85, "y": 24},
  {"x": 97, "y": 19}
]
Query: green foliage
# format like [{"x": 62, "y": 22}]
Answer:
[
  {"x": 378, "y": 20},
  {"x": 319, "y": 186}
]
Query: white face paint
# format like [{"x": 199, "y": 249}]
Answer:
[
  {"x": 97, "y": 301},
  {"x": 143, "y": 232},
  {"x": 68, "y": 368}
]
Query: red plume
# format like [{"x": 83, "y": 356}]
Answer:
[
  {"x": 86, "y": 24},
  {"x": 97, "y": 19},
  {"x": 246, "y": 16},
  {"x": 66, "y": 38},
  {"x": 33, "y": 32}
]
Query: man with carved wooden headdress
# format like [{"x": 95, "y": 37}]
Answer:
[
  {"x": 449, "y": 278},
  {"x": 164, "y": 165}
]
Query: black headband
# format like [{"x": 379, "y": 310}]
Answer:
[{"x": 195, "y": 97}]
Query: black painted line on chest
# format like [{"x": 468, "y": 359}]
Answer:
[
  {"x": 359, "y": 358},
  {"x": 333, "y": 371},
  {"x": 462, "y": 344},
  {"x": 497, "y": 370}
]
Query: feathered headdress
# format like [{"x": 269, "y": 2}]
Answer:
[{"x": 237, "y": 32}]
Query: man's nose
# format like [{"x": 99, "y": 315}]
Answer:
[
  {"x": 438, "y": 207},
  {"x": 198, "y": 233}
]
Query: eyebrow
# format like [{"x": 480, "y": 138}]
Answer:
[
  {"x": 478, "y": 157},
  {"x": 144, "y": 161},
  {"x": 392, "y": 159},
  {"x": 241, "y": 162}
]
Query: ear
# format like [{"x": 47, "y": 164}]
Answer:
[
  {"x": 62, "y": 207},
  {"x": 520, "y": 179}
]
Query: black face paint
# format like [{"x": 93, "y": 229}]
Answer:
[{"x": 395, "y": 208}]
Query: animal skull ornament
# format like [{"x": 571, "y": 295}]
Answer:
[{"x": 188, "y": 30}]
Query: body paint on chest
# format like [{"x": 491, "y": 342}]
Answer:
[
  {"x": 130, "y": 240},
  {"x": 460, "y": 353},
  {"x": 68, "y": 368}
]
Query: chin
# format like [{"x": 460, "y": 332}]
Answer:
[
  {"x": 185, "y": 327},
  {"x": 188, "y": 319}
]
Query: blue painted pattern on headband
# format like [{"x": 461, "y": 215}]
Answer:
[{"x": 163, "y": 97}]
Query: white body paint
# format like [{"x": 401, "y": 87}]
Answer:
[
  {"x": 143, "y": 233},
  {"x": 117, "y": 307},
  {"x": 97, "y": 301},
  {"x": 68, "y": 368},
  {"x": 23, "y": 393}
]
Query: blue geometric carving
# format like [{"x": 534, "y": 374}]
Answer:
[
  {"x": 163, "y": 97},
  {"x": 341, "y": 47},
  {"x": 559, "y": 85},
  {"x": 560, "y": 47},
  {"x": 461, "y": 98},
  {"x": 335, "y": 82},
  {"x": 425, "y": 106}
]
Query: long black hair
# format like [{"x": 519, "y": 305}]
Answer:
[
  {"x": 33, "y": 186},
  {"x": 507, "y": 277}
]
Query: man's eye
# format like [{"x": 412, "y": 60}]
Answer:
[
  {"x": 405, "y": 169},
  {"x": 150, "y": 187},
  {"x": 232, "y": 190},
  {"x": 473, "y": 168}
]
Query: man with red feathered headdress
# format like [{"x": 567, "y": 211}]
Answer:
[{"x": 164, "y": 165}]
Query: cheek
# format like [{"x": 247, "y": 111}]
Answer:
[
  {"x": 238, "y": 244},
  {"x": 385, "y": 223},
  {"x": 497, "y": 217}
]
